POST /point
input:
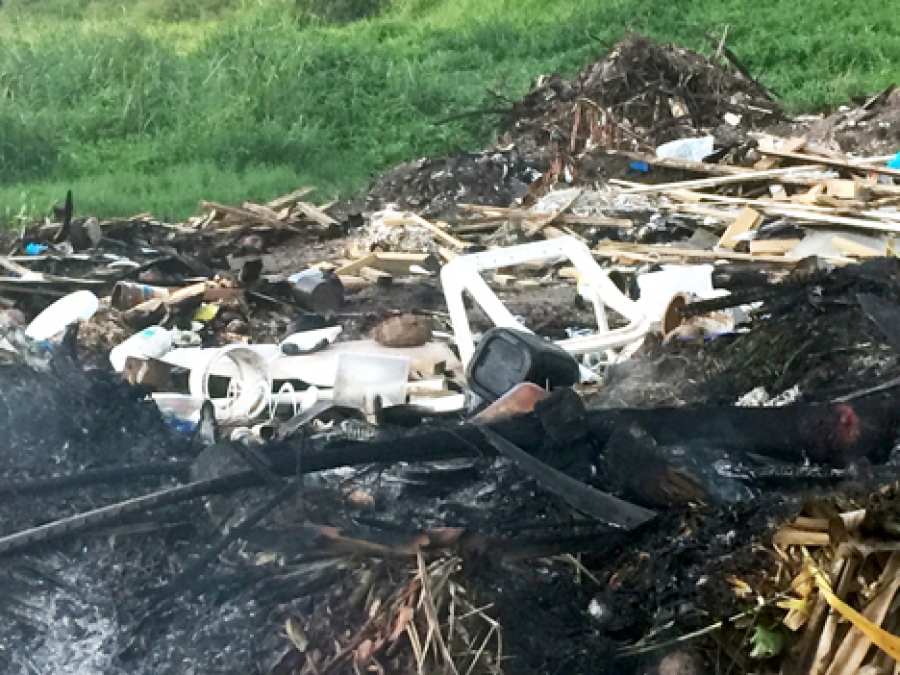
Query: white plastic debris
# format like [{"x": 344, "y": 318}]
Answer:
[
  {"x": 150, "y": 343},
  {"x": 65, "y": 311},
  {"x": 463, "y": 274},
  {"x": 692, "y": 149},
  {"x": 658, "y": 288}
]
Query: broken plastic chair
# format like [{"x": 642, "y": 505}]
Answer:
[{"x": 463, "y": 274}]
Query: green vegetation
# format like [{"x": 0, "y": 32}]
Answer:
[{"x": 153, "y": 104}]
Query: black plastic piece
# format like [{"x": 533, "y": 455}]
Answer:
[{"x": 506, "y": 357}]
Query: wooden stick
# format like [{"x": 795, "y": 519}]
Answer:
[
  {"x": 855, "y": 645},
  {"x": 815, "y": 217},
  {"x": 850, "y": 247},
  {"x": 720, "y": 180},
  {"x": 747, "y": 220},
  {"x": 315, "y": 214},
  {"x": 788, "y": 144},
  {"x": 832, "y": 161},
  {"x": 765, "y": 205},
  {"x": 532, "y": 229},
  {"x": 417, "y": 220},
  {"x": 261, "y": 210},
  {"x": 288, "y": 199},
  {"x": 500, "y": 214},
  {"x": 773, "y": 246},
  {"x": 683, "y": 164},
  {"x": 243, "y": 214},
  {"x": 614, "y": 249}
]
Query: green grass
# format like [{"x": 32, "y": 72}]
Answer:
[{"x": 154, "y": 104}]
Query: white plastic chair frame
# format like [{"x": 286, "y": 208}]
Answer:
[{"x": 462, "y": 274}]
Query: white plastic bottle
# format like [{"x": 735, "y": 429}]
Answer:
[{"x": 150, "y": 343}]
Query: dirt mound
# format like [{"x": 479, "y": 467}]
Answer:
[{"x": 639, "y": 95}]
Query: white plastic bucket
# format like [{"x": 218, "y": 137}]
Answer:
[{"x": 249, "y": 389}]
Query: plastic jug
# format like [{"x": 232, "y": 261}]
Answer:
[{"x": 150, "y": 343}]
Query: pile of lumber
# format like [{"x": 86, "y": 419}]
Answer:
[{"x": 288, "y": 212}]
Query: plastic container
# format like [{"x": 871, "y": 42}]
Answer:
[
  {"x": 150, "y": 343},
  {"x": 361, "y": 378},
  {"x": 895, "y": 162},
  {"x": 127, "y": 294},
  {"x": 249, "y": 389},
  {"x": 317, "y": 291},
  {"x": 67, "y": 310},
  {"x": 180, "y": 411},
  {"x": 506, "y": 357}
]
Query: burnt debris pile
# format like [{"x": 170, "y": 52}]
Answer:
[{"x": 617, "y": 395}]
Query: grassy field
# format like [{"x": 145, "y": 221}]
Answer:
[{"x": 150, "y": 105}]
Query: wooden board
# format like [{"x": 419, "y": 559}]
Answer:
[
  {"x": 747, "y": 220},
  {"x": 792, "y": 144},
  {"x": 850, "y": 247},
  {"x": 532, "y": 228},
  {"x": 748, "y": 177},
  {"x": 390, "y": 262},
  {"x": 773, "y": 246},
  {"x": 842, "y": 189},
  {"x": 833, "y": 161}
]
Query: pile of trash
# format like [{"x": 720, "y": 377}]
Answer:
[
  {"x": 641, "y": 94},
  {"x": 645, "y": 424}
]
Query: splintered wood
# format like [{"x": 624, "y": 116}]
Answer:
[
  {"x": 844, "y": 581},
  {"x": 287, "y": 212}
]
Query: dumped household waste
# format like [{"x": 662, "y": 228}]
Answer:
[{"x": 631, "y": 407}]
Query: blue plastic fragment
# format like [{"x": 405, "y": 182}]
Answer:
[
  {"x": 643, "y": 167},
  {"x": 894, "y": 163},
  {"x": 35, "y": 249},
  {"x": 180, "y": 425}
]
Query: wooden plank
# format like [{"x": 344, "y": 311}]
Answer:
[
  {"x": 376, "y": 276},
  {"x": 792, "y": 144},
  {"x": 747, "y": 220},
  {"x": 656, "y": 251},
  {"x": 773, "y": 246},
  {"x": 21, "y": 270},
  {"x": 352, "y": 269},
  {"x": 447, "y": 254},
  {"x": 493, "y": 215},
  {"x": 682, "y": 164},
  {"x": 850, "y": 247},
  {"x": 833, "y": 161},
  {"x": 401, "y": 219},
  {"x": 810, "y": 216},
  {"x": 842, "y": 189},
  {"x": 532, "y": 229},
  {"x": 574, "y": 219},
  {"x": 720, "y": 180},
  {"x": 262, "y": 210},
  {"x": 551, "y": 232},
  {"x": 352, "y": 282},
  {"x": 315, "y": 214},
  {"x": 809, "y": 197},
  {"x": 242, "y": 214},
  {"x": 777, "y": 208},
  {"x": 289, "y": 199}
]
